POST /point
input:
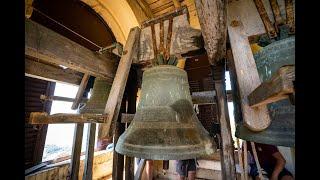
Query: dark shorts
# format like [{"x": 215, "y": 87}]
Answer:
[
  {"x": 254, "y": 171},
  {"x": 184, "y": 166}
]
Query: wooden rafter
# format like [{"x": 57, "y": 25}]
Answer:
[
  {"x": 176, "y": 3},
  {"x": 145, "y": 7}
]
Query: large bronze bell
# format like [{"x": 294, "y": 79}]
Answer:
[
  {"x": 281, "y": 131},
  {"x": 165, "y": 125}
]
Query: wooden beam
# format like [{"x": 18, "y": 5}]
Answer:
[
  {"x": 176, "y": 3},
  {"x": 140, "y": 169},
  {"x": 80, "y": 91},
  {"x": 227, "y": 151},
  {"x": 256, "y": 119},
  {"x": 138, "y": 11},
  {"x": 180, "y": 11},
  {"x": 118, "y": 86},
  {"x": 290, "y": 15},
  {"x": 145, "y": 7},
  {"x": 279, "y": 87},
  {"x": 118, "y": 159},
  {"x": 51, "y": 73},
  {"x": 256, "y": 159},
  {"x": 213, "y": 18},
  {"x": 44, "y": 118},
  {"x": 276, "y": 13},
  {"x": 76, "y": 151},
  {"x": 204, "y": 97},
  {"x": 87, "y": 174},
  {"x": 48, "y": 46},
  {"x": 59, "y": 98},
  {"x": 265, "y": 19},
  {"x": 28, "y": 8},
  {"x": 245, "y": 159}
]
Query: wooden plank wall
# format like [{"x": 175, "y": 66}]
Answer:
[
  {"x": 102, "y": 168},
  {"x": 34, "y": 134},
  {"x": 160, "y": 7}
]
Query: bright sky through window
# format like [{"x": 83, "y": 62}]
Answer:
[{"x": 60, "y": 136}]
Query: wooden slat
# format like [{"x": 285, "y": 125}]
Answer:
[
  {"x": 118, "y": 159},
  {"x": 145, "y": 7},
  {"x": 44, "y": 118},
  {"x": 213, "y": 18},
  {"x": 48, "y": 46},
  {"x": 140, "y": 169},
  {"x": 51, "y": 73},
  {"x": 118, "y": 86},
  {"x": 60, "y": 98},
  {"x": 182, "y": 10},
  {"x": 256, "y": 119},
  {"x": 256, "y": 159},
  {"x": 80, "y": 91},
  {"x": 265, "y": 19},
  {"x": 240, "y": 159},
  {"x": 279, "y": 87},
  {"x": 176, "y": 3},
  {"x": 169, "y": 36},
  {"x": 76, "y": 151},
  {"x": 227, "y": 151},
  {"x": 245, "y": 159},
  {"x": 88, "y": 164},
  {"x": 34, "y": 168},
  {"x": 276, "y": 13},
  {"x": 290, "y": 15}
]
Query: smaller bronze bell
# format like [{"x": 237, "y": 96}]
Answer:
[
  {"x": 165, "y": 126},
  {"x": 97, "y": 103}
]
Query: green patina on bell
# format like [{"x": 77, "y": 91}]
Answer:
[
  {"x": 97, "y": 102},
  {"x": 281, "y": 132},
  {"x": 165, "y": 126}
]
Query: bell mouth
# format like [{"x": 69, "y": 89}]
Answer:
[{"x": 165, "y": 150}]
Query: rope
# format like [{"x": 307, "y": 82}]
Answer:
[{"x": 67, "y": 28}]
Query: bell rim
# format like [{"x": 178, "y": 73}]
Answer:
[{"x": 187, "y": 154}]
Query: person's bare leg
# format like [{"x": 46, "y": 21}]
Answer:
[
  {"x": 149, "y": 169},
  {"x": 286, "y": 177},
  {"x": 191, "y": 175}
]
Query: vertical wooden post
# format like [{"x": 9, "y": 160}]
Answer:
[
  {"x": 245, "y": 159},
  {"x": 87, "y": 174},
  {"x": 76, "y": 151},
  {"x": 132, "y": 90},
  {"x": 256, "y": 159},
  {"x": 227, "y": 153},
  {"x": 240, "y": 159},
  {"x": 118, "y": 159}
]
